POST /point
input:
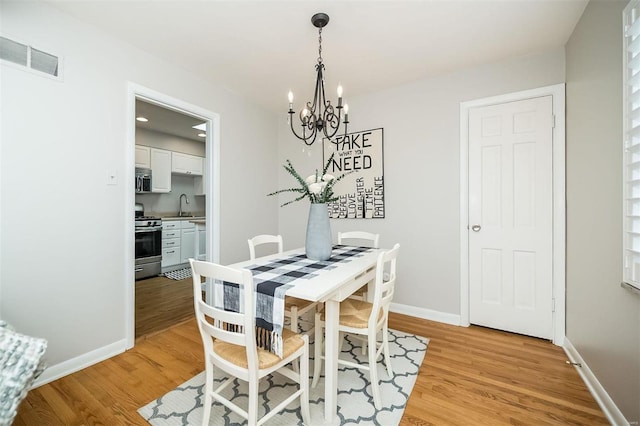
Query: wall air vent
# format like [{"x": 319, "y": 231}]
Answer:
[{"x": 28, "y": 57}]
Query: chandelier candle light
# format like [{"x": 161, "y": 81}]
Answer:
[{"x": 319, "y": 115}]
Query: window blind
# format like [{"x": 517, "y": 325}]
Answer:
[{"x": 631, "y": 156}]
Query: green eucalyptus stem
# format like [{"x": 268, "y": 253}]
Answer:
[{"x": 326, "y": 194}]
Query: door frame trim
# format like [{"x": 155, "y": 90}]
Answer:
[
  {"x": 212, "y": 186},
  {"x": 557, "y": 93}
]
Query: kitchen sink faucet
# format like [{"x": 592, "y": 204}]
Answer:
[{"x": 186, "y": 199}]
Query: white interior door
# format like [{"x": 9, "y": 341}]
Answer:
[{"x": 511, "y": 216}]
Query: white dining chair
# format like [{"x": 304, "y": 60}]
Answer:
[
  {"x": 365, "y": 319},
  {"x": 265, "y": 240},
  {"x": 294, "y": 308},
  {"x": 229, "y": 340},
  {"x": 363, "y": 239}
]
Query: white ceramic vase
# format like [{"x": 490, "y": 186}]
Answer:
[{"x": 318, "y": 243}]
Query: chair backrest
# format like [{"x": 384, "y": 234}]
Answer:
[
  {"x": 215, "y": 323},
  {"x": 263, "y": 239},
  {"x": 370, "y": 239},
  {"x": 385, "y": 283}
]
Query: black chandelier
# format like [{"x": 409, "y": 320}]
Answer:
[{"x": 319, "y": 115}]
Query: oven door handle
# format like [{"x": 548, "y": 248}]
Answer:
[{"x": 146, "y": 230}]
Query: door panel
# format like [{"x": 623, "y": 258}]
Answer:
[{"x": 510, "y": 216}]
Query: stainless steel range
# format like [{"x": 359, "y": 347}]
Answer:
[{"x": 148, "y": 232}]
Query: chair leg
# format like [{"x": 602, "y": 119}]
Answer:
[
  {"x": 304, "y": 385},
  {"x": 294, "y": 319},
  {"x": 252, "y": 412},
  {"x": 385, "y": 342},
  {"x": 373, "y": 371},
  {"x": 317, "y": 350},
  {"x": 208, "y": 400},
  {"x": 340, "y": 342},
  {"x": 294, "y": 328},
  {"x": 364, "y": 342}
]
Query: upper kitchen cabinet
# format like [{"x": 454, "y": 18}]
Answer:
[
  {"x": 187, "y": 164},
  {"x": 161, "y": 170},
  {"x": 143, "y": 156}
]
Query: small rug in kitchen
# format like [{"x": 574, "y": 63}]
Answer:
[
  {"x": 179, "y": 274},
  {"x": 183, "y": 405}
]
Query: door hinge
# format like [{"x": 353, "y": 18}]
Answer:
[
  {"x": 553, "y": 304},
  {"x": 553, "y": 121}
]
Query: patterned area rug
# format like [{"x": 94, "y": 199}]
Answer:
[
  {"x": 183, "y": 405},
  {"x": 179, "y": 274}
]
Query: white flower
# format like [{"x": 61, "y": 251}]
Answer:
[
  {"x": 328, "y": 177},
  {"x": 311, "y": 179},
  {"x": 315, "y": 188}
]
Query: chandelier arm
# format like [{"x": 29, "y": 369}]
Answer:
[
  {"x": 304, "y": 137},
  {"x": 318, "y": 93}
]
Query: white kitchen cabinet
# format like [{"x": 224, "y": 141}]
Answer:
[
  {"x": 171, "y": 243},
  {"x": 178, "y": 242},
  {"x": 201, "y": 238},
  {"x": 170, "y": 256},
  {"x": 199, "y": 182},
  {"x": 188, "y": 244},
  {"x": 161, "y": 169},
  {"x": 143, "y": 156},
  {"x": 170, "y": 224},
  {"x": 170, "y": 234},
  {"x": 187, "y": 164}
]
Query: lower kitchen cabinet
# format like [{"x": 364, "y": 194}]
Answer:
[
  {"x": 201, "y": 253},
  {"x": 188, "y": 241},
  {"x": 170, "y": 256},
  {"x": 178, "y": 243}
]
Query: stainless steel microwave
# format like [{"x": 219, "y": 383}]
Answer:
[{"x": 143, "y": 180}]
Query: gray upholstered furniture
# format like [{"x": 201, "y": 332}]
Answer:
[{"x": 20, "y": 364}]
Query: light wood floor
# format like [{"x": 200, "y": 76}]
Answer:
[
  {"x": 162, "y": 303},
  {"x": 470, "y": 376}
]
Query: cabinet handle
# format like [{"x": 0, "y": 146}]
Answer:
[{"x": 172, "y": 251}]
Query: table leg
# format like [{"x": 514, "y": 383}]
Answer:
[{"x": 332, "y": 317}]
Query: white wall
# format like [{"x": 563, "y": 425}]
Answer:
[
  {"x": 421, "y": 171},
  {"x": 603, "y": 319},
  {"x": 62, "y": 273}
]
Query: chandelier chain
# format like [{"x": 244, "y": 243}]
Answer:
[{"x": 319, "y": 45}]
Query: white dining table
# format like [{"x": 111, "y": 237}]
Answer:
[{"x": 330, "y": 286}]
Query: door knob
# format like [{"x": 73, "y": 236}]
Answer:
[{"x": 476, "y": 228}]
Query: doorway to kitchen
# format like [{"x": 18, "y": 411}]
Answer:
[{"x": 174, "y": 157}]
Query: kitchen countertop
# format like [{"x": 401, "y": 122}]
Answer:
[{"x": 190, "y": 218}]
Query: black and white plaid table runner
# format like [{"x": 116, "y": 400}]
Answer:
[{"x": 272, "y": 280}]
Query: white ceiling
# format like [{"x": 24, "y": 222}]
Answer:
[
  {"x": 261, "y": 49},
  {"x": 167, "y": 121}
]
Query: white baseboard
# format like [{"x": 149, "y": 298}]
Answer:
[
  {"x": 424, "y": 313},
  {"x": 614, "y": 415},
  {"x": 64, "y": 368}
]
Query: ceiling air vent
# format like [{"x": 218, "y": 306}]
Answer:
[{"x": 29, "y": 57}]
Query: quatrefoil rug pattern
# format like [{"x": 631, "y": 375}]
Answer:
[{"x": 183, "y": 405}]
